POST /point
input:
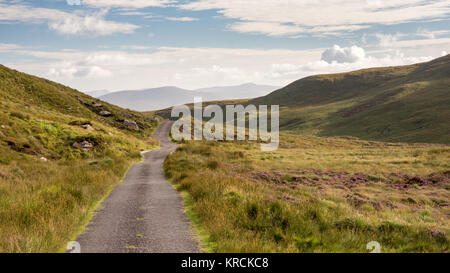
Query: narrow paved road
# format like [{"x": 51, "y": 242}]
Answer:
[{"x": 144, "y": 213}]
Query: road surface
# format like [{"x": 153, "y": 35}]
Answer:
[{"x": 142, "y": 214}]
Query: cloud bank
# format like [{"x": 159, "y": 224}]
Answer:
[
  {"x": 64, "y": 23},
  {"x": 326, "y": 17},
  {"x": 198, "y": 67}
]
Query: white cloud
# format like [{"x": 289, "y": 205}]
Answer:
[
  {"x": 137, "y": 4},
  {"x": 134, "y": 13},
  {"x": 181, "y": 19},
  {"x": 63, "y": 22},
  {"x": 386, "y": 40},
  {"x": 94, "y": 23},
  {"x": 272, "y": 16},
  {"x": 343, "y": 54},
  {"x": 269, "y": 28},
  {"x": 8, "y": 47},
  {"x": 199, "y": 67},
  {"x": 68, "y": 71},
  {"x": 397, "y": 41},
  {"x": 287, "y": 71}
]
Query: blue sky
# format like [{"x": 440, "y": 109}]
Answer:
[{"x": 133, "y": 44}]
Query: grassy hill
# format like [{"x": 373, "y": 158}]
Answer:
[
  {"x": 401, "y": 104},
  {"x": 329, "y": 187},
  {"x": 60, "y": 153}
]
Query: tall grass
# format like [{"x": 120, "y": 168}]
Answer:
[
  {"x": 48, "y": 187},
  {"x": 248, "y": 201}
]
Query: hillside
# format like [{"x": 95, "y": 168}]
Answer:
[
  {"x": 405, "y": 103},
  {"x": 163, "y": 97},
  {"x": 61, "y": 152}
]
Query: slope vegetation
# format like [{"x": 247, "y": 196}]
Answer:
[{"x": 61, "y": 152}]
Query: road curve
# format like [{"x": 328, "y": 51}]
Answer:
[{"x": 144, "y": 213}]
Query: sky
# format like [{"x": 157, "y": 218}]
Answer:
[{"x": 136, "y": 44}]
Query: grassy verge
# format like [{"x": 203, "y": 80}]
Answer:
[
  {"x": 205, "y": 242},
  {"x": 316, "y": 195}
]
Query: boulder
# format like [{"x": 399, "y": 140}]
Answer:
[
  {"x": 83, "y": 145},
  {"x": 130, "y": 124},
  {"x": 105, "y": 113},
  {"x": 44, "y": 159},
  {"x": 97, "y": 105},
  {"x": 87, "y": 127}
]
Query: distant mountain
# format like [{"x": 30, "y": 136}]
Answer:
[
  {"x": 97, "y": 93},
  {"x": 404, "y": 103},
  {"x": 163, "y": 97}
]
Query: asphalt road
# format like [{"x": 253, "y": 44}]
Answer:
[{"x": 142, "y": 214}]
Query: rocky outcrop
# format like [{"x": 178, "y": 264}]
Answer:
[
  {"x": 126, "y": 115},
  {"x": 130, "y": 124},
  {"x": 105, "y": 113},
  {"x": 83, "y": 145},
  {"x": 87, "y": 127}
]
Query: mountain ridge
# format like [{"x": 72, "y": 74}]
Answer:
[{"x": 167, "y": 96}]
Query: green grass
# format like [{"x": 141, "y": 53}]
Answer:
[
  {"x": 49, "y": 188},
  {"x": 316, "y": 194}
]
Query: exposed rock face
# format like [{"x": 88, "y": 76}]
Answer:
[
  {"x": 105, "y": 113},
  {"x": 87, "y": 127},
  {"x": 97, "y": 105},
  {"x": 130, "y": 124},
  {"x": 84, "y": 145}
]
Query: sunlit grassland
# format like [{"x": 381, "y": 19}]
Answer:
[{"x": 316, "y": 194}]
